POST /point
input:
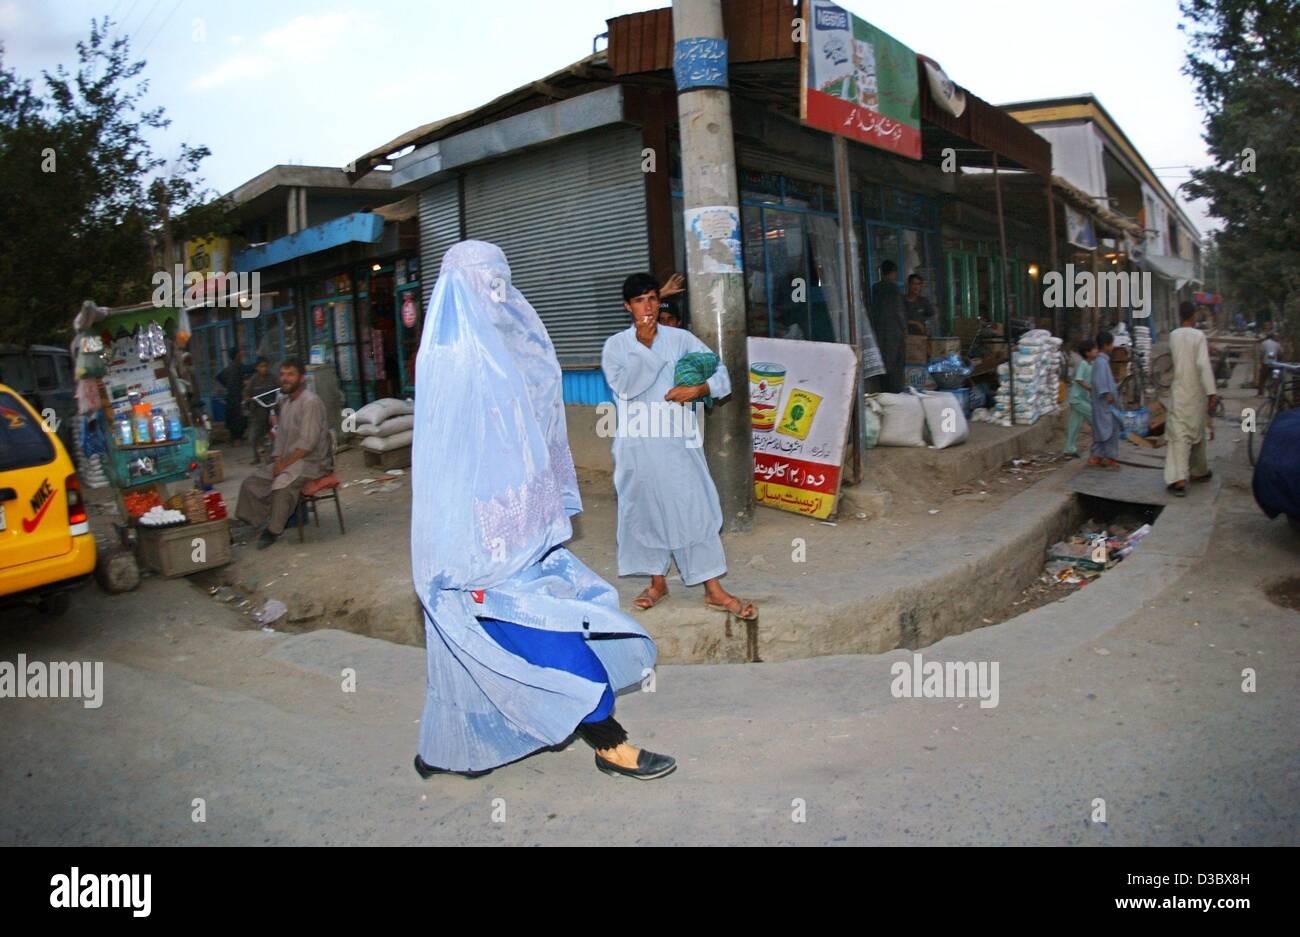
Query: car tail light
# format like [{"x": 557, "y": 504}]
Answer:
[{"x": 76, "y": 508}]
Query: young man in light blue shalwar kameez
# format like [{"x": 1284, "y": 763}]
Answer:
[
  {"x": 667, "y": 505},
  {"x": 525, "y": 645}
]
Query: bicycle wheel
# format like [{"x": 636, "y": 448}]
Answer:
[
  {"x": 1162, "y": 371},
  {"x": 1255, "y": 440}
]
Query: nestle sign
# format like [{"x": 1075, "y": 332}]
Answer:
[{"x": 831, "y": 18}]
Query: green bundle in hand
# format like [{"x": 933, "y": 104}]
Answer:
[{"x": 696, "y": 368}]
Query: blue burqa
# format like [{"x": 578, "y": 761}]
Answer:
[{"x": 493, "y": 488}]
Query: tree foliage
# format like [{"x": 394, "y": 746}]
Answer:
[
  {"x": 84, "y": 199},
  {"x": 1245, "y": 62}
]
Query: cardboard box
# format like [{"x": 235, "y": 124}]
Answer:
[
  {"x": 171, "y": 552},
  {"x": 943, "y": 347},
  {"x": 965, "y": 329},
  {"x": 211, "y": 470},
  {"x": 917, "y": 349}
]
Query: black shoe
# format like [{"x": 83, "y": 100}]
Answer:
[
  {"x": 428, "y": 771},
  {"x": 648, "y": 766},
  {"x": 1203, "y": 478},
  {"x": 266, "y": 539}
]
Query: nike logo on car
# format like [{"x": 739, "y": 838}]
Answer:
[{"x": 30, "y": 525}]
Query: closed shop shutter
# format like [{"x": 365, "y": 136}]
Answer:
[
  {"x": 439, "y": 230},
  {"x": 571, "y": 219}
]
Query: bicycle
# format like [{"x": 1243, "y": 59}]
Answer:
[
  {"x": 1162, "y": 371},
  {"x": 1281, "y": 392}
]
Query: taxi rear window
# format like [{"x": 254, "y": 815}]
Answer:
[{"x": 23, "y": 440}]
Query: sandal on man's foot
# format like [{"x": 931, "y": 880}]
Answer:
[
  {"x": 1203, "y": 478},
  {"x": 1178, "y": 490},
  {"x": 648, "y": 600},
  {"x": 735, "y": 607}
]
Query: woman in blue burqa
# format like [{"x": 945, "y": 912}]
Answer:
[{"x": 525, "y": 644}]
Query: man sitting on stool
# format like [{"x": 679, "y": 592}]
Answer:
[{"x": 302, "y": 452}]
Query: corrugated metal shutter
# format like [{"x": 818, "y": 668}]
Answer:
[
  {"x": 439, "y": 230},
  {"x": 571, "y": 219}
]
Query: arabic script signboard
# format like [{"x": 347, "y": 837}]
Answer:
[
  {"x": 800, "y": 395},
  {"x": 859, "y": 82}
]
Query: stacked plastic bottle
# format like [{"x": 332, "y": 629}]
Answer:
[
  {"x": 1037, "y": 363},
  {"x": 90, "y": 466},
  {"x": 1142, "y": 347}
]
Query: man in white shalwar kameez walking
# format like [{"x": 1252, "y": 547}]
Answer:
[
  {"x": 1191, "y": 398},
  {"x": 668, "y": 507}
]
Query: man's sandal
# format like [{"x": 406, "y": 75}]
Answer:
[
  {"x": 648, "y": 597},
  {"x": 741, "y": 606}
]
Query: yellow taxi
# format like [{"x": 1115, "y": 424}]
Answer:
[{"x": 46, "y": 547}]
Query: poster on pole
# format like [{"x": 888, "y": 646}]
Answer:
[
  {"x": 859, "y": 82},
  {"x": 800, "y": 399}
]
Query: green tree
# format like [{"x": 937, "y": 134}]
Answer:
[
  {"x": 86, "y": 202},
  {"x": 1245, "y": 62}
]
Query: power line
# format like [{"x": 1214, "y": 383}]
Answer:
[
  {"x": 127, "y": 15},
  {"x": 160, "y": 28},
  {"x": 140, "y": 25}
]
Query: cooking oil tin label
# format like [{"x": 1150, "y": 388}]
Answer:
[{"x": 800, "y": 409}]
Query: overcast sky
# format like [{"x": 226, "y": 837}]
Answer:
[{"x": 322, "y": 82}]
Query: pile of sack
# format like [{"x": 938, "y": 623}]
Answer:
[
  {"x": 385, "y": 424},
  {"x": 1142, "y": 347},
  {"x": 1036, "y": 361},
  {"x": 914, "y": 419}
]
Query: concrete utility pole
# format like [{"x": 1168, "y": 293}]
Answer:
[{"x": 714, "y": 267}]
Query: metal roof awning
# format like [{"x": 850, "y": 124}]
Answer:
[
  {"x": 362, "y": 227},
  {"x": 759, "y": 37},
  {"x": 569, "y": 81},
  {"x": 1176, "y": 270}
]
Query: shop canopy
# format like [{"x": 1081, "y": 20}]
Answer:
[
  {"x": 1176, "y": 270},
  {"x": 128, "y": 318}
]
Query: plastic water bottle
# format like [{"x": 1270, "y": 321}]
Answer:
[
  {"x": 158, "y": 425},
  {"x": 174, "y": 430}
]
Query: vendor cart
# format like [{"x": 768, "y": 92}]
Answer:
[{"x": 154, "y": 450}]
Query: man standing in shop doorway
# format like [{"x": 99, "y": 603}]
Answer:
[
  {"x": 918, "y": 307},
  {"x": 889, "y": 322},
  {"x": 231, "y": 378}
]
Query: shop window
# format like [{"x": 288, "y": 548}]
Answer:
[
  {"x": 760, "y": 187},
  {"x": 754, "y": 246}
]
